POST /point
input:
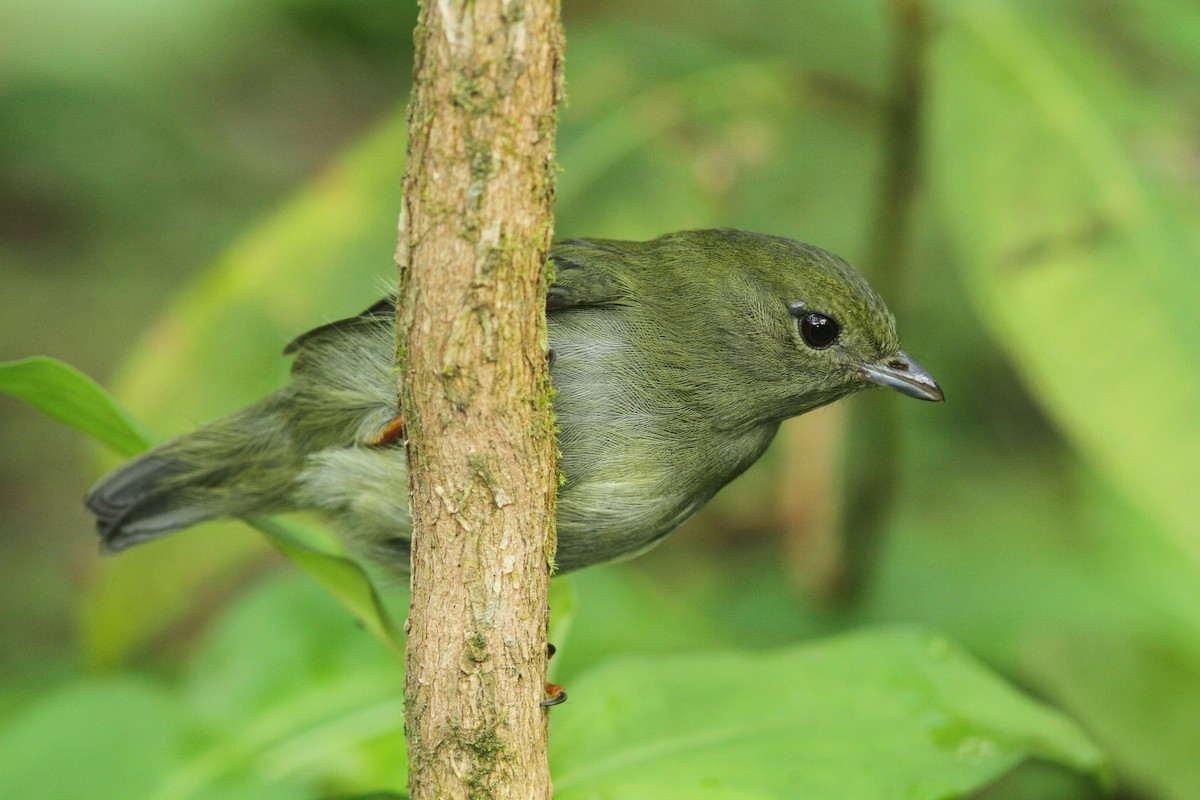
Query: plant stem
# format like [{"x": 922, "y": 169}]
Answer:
[{"x": 872, "y": 433}]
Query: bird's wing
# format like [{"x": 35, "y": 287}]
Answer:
[
  {"x": 347, "y": 364},
  {"x": 385, "y": 308},
  {"x": 587, "y": 273}
]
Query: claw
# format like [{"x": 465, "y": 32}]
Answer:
[{"x": 557, "y": 693}]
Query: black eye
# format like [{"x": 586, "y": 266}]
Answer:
[{"x": 818, "y": 330}]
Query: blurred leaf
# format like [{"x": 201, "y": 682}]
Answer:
[
  {"x": 563, "y": 601},
  {"x": 297, "y": 692},
  {"x": 1053, "y": 577},
  {"x": 882, "y": 714},
  {"x": 842, "y": 42},
  {"x": 341, "y": 577},
  {"x": 65, "y": 394},
  {"x": 286, "y": 698},
  {"x": 321, "y": 256},
  {"x": 140, "y": 594},
  {"x": 1131, "y": 675},
  {"x": 1143, "y": 702},
  {"x": 666, "y": 131},
  {"x": 623, "y": 611},
  {"x": 1084, "y": 272},
  {"x": 117, "y": 38},
  {"x": 148, "y": 589},
  {"x": 1037, "y": 780},
  {"x": 97, "y": 738},
  {"x": 1162, "y": 36},
  {"x": 270, "y": 643}
]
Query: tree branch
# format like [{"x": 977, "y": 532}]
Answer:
[{"x": 475, "y": 393}]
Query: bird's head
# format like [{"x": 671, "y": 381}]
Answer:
[{"x": 812, "y": 329}]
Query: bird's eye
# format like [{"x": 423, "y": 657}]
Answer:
[{"x": 819, "y": 331}]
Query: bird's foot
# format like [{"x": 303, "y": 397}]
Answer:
[{"x": 555, "y": 693}]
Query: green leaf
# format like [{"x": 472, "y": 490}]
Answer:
[
  {"x": 343, "y": 578},
  {"x": 146, "y": 590},
  {"x": 142, "y": 593},
  {"x": 65, "y": 394},
  {"x": 98, "y": 738},
  {"x": 285, "y": 697},
  {"x": 1080, "y": 264},
  {"x": 293, "y": 691},
  {"x": 881, "y": 714},
  {"x": 1059, "y": 582}
]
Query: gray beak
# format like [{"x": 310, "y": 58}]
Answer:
[{"x": 905, "y": 376}]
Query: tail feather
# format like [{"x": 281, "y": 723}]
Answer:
[
  {"x": 141, "y": 501},
  {"x": 236, "y": 466},
  {"x": 342, "y": 394}
]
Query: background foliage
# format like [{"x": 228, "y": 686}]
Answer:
[{"x": 186, "y": 185}]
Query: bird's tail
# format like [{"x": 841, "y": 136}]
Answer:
[{"x": 235, "y": 466}]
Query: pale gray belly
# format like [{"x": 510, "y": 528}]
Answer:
[{"x": 639, "y": 455}]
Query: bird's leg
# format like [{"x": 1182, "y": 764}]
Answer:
[
  {"x": 390, "y": 433},
  {"x": 557, "y": 694}
]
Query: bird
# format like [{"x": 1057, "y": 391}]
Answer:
[{"x": 674, "y": 362}]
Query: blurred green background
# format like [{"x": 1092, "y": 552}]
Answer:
[{"x": 185, "y": 185}]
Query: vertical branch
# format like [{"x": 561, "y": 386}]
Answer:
[
  {"x": 872, "y": 433},
  {"x": 474, "y": 386}
]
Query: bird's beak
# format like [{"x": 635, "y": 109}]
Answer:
[{"x": 904, "y": 375}]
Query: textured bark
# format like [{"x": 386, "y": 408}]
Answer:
[{"x": 474, "y": 385}]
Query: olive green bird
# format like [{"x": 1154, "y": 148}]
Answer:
[{"x": 675, "y": 360}]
